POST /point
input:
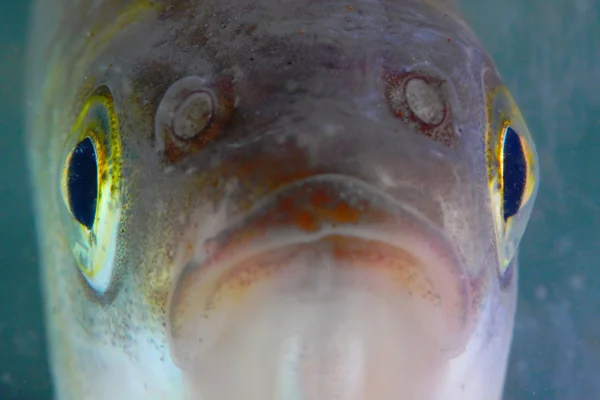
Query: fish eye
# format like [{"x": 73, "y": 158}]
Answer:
[
  {"x": 91, "y": 189},
  {"x": 82, "y": 183},
  {"x": 512, "y": 172}
]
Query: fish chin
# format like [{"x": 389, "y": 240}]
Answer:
[{"x": 336, "y": 317}]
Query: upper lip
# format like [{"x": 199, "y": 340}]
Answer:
[{"x": 333, "y": 204}]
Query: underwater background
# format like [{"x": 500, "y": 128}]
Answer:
[{"x": 548, "y": 52}]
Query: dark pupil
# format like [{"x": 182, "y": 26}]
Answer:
[
  {"x": 82, "y": 183},
  {"x": 515, "y": 173}
]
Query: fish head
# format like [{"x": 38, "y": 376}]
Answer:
[{"x": 287, "y": 200}]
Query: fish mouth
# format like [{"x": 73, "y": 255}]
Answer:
[{"x": 328, "y": 289}]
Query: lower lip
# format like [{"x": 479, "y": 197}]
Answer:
[{"x": 311, "y": 292}]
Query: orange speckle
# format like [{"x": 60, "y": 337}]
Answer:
[
  {"x": 320, "y": 198},
  {"x": 350, "y": 8},
  {"x": 302, "y": 32},
  {"x": 306, "y": 221},
  {"x": 287, "y": 204},
  {"x": 343, "y": 213}
]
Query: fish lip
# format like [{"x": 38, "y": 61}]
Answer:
[
  {"x": 316, "y": 208},
  {"x": 340, "y": 218}
]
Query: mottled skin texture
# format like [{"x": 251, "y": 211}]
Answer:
[{"x": 302, "y": 86}]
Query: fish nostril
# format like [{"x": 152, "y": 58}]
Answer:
[
  {"x": 185, "y": 110},
  {"x": 419, "y": 98},
  {"x": 193, "y": 116},
  {"x": 192, "y": 113},
  {"x": 424, "y": 101}
]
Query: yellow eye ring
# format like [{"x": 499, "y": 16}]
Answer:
[
  {"x": 91, "y": 189},
  {"x": 512, "y": 172}
]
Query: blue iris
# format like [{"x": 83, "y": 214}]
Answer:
[
  {"x": 515, "y": 172},
  {"x": 82, "y": 183}
]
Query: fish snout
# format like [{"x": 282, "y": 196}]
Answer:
[{"x": 327, "y": 289}]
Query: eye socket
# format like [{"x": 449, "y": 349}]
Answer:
[
  {"x": 512, "y": 171},
  {"x": 91, "y": 189}
]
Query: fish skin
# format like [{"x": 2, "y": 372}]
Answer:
[{"x": 282, "y": 71}]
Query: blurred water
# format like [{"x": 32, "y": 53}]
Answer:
[
  {"x": 548, "y": 52},
  {"x": 23, "y": 367}
]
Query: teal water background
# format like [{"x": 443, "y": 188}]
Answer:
[{"x": 548, "y": 52}]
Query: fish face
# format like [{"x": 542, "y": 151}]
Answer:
[{"x": 286, "y": 200}]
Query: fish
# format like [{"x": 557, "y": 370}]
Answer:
[{"x": 274, "y": 199}]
